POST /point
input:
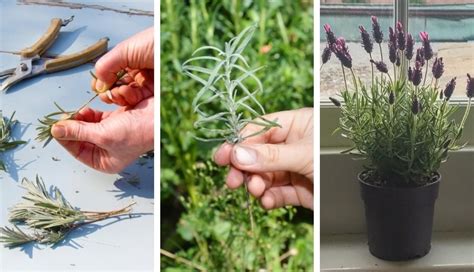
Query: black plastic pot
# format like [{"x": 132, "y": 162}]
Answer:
[{"x": 399, "y": 220}]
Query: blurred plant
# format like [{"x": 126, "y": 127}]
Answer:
[
  {"x": 399, "y": 123},
  {"x": 6, "y": 142},
  {"x": 223, "y": 237},
  {"x": 49, "y": 216}
]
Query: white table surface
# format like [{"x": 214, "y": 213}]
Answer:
[{"x": 126, "y": 245}]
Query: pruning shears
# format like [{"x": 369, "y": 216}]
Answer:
[{"x": 33, "y": 62}]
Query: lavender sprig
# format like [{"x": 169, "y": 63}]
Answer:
[
  {"x": 48, "y": 215},
  {"x": 6, "y": 140}
]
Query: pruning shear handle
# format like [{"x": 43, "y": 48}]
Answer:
[
  {"x": 46, "y": 40},
  {"x": 73, "y": 60}
]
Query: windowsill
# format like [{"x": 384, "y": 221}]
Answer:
[{"x": 451, "y": 251}]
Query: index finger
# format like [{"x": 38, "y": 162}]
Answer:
[{"x": 286, "y": 119}]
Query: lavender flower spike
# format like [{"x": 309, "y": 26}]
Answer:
[
  {"x": 342, "y": 53},
  {"x": 381, "y": 66},
  {"x": 401, "y": 40},
  {"x": 392, "y": 52},
  {"x": 410, "y": 74},
  {"x": 448, "y": 91},
  {"x": 428, "y": 51},
  {"x": 417, "y": 74},
  {"x": 326, "y": 55},
  {"x": 391, "y": 98},
  {"x": 438, "y": 68},
  {"x": 376, "y": 32},
  {"x": 470, "y": 86},
  {"x": 336, "y": 102},
  {"x": 415, "y": 106},
  {"x": 366, "y": 40},
  {"x": 330, "y": 37},
  {"x": 420, "y": 56},
  {"x": 409, "y": 47},
  {"x": 392, "y": 38}
]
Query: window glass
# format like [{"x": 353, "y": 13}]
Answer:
[
  {"x": 450, "y": 24},
  {"x": 345, "y": 17}
]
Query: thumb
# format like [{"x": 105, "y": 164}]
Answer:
[
  {"x": 134, "y": 53},
  {"x": 79, "y": 131},
  {"x": 273, "y": 157}
]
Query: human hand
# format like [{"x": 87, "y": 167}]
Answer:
[
  {"x": 108, "y": 141},
  {"x": 278, "y": 163},
  {"x": 134, "y": 56}
]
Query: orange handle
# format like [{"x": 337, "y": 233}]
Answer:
[
  {"x": 45, "y": 41},
  {"x": 69, "y": 61}
]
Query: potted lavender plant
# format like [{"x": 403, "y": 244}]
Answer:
[{"x": 401, "y": 124}]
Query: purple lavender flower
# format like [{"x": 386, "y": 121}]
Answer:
[
  {"x": 470, "y": 87},
  {"x": 400, "y": 36},
  {"x": 342, "y": 52},
  {"x": 409, "y": 46},
  {"x": 381, "y": 66},
  {"x": 415, "y": 106},
  {"x": 417, "y": 74},
  {"x": 392, "y": 52},
  {"x": 336, "y": 102},
  {"x": 326, "y": 55},
  {"x": 330, "y": 37},
  {"x": 438, "y": 68},
  {"x": 448, "y": 91},
  {"x": 425, "y": 39},
  {"x": 420, "y": 56},
  {"x": 391, "y": 98},
  {"x": 392, "y": 38},
  {"x": 376, "y": 32},
  {"x": 366, "y": 40}
]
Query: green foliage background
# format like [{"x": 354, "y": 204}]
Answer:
[{"x": 203, "y": 221}]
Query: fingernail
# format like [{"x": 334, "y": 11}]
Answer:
[
  {"x": 58, "y": 131},
  {"x": 100, "y": 86},
  {"x": 109, "y": 95},
  {"x": 245, "y": 156}
]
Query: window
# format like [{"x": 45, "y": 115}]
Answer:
[
  {"x": 344, "y": 18},
  {"x": 450, "y": 26}
]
